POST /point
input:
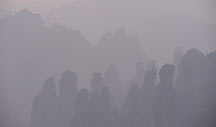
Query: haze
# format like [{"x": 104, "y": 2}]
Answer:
[
  {"x": 94, "y": 17},
  {"x": 108, "y": 57}
]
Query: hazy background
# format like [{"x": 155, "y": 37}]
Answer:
[
  {"x": 33, "y": 48},
  {"x": 95, "y": 17}
]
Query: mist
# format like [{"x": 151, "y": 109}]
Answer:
[{"x": 99, "y": 63}]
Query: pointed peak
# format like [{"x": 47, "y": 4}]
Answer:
[
  {"x": 24, "y": 12},
  {"x": 26, "y": 16}
]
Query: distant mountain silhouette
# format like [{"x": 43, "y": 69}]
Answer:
[
  {"x": 189, "y": 103},
  {"x": 31, "y": 50},
  {"x": 165, "y": 28}
]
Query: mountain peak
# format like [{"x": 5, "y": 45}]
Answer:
[
  {"x": 25, "y": 15},
  {"x": 24, "y": 12}
]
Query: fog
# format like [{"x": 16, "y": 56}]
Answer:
[
  {"x": 152, "y": 21},
  {"x": 100, "y": 63}
]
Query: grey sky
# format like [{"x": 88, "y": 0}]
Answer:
[
  {"x": 94, "y": 17},
  {"x": 201, "y": 8}
]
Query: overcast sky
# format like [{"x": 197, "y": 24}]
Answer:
[
  {"x": 200, "y": 8},
  {"x": 94, "y": 17}
]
